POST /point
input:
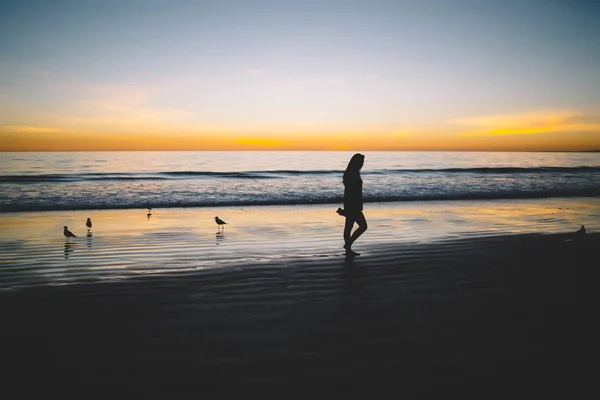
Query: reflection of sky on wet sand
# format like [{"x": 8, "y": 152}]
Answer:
[{"x": 126, "y": 243}]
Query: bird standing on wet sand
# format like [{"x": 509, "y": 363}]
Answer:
[
  {"x": 581, "y": 231},
  {"x": 220, "y": 222},
  {"x": 68, "y": 234},
  {"x": 89, "y": 224}
]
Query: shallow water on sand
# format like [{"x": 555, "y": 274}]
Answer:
[{"x": 126, "y": 243}]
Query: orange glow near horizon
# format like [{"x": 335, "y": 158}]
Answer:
[
  {"x": 537, "y": 131},
  {"x": 71, "y": 142}
]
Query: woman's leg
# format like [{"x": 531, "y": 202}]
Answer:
[
  {"x": 362, "y": 227},
  {"x": 348, "y": 231},
  {"x": 351, "y": 238}
]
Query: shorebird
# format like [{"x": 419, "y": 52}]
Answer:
[
  {"x": 220, "y": 222},
  {"x": 149, "y": 212},
  {"x": 581, "y": 231},
  {"x": 68, "y": 234},
  {"x": 89, "y": 224}
]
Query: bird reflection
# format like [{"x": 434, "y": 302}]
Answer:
[
  {"x": 68, "y": 250},
  {"x": 220, "y": 236},
  {"x": 89, "y": 239}
]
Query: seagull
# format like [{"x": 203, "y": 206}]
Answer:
[
  {"x": 89, "y": 224},
  {"x": 220, "y": 222},
  {"x": 68, "y": 234}
]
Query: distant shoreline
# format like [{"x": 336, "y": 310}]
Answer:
[{"x": 292, "y": 204}]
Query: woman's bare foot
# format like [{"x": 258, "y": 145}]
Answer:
[{"x": 350, "y": 252}]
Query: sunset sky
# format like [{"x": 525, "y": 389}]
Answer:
[{"x": 300, "y": 75}]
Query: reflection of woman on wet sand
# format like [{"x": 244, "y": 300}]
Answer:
[{"x": 353, "y": 203}]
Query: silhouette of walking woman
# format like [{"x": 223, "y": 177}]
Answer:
[{"x": 353, "y": 203}]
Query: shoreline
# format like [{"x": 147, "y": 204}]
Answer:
[
  {"x": 367, "y": 202},
  {"x": 125, "y": 243}
]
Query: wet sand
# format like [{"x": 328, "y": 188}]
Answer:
[
  {"x": 125, "y": 244},
  {"x": 492, "y": 316}
]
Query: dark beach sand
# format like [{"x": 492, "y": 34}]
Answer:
[{"x": 496, "y": 316}]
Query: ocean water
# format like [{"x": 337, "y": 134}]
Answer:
[{"x": 118, "y": 180}]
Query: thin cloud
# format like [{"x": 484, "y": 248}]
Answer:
[
  {"x": 125, "y": 95},
  {"x": 540, "y": 122},
  {"x": 30, "y": 129},
  {"x": 126, "y": 103},
  {"x": 116, "y": 112}
]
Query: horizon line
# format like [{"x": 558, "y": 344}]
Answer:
[{"x": 313, "y": 150}]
